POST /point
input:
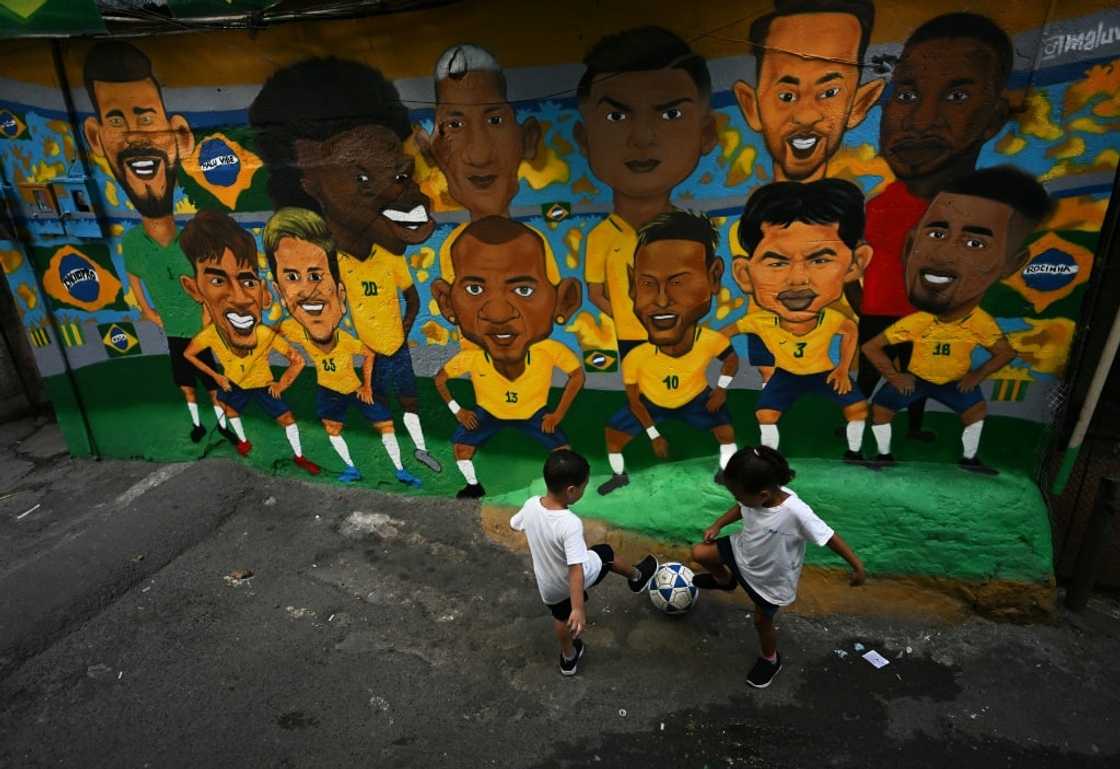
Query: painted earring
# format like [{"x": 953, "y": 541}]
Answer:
[
  {"x": 452, "y": 318},
  {"x": 560, "y": 319}
]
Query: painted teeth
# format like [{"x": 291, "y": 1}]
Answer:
[
  {"x": 243, "y": 322},
  {"x": 937, "y": 279},
  {"x": 503, "y": 336},
  {"x": 312, "y": 307},
  {"x": 664, "y": 317},
  {"x": 804, "y": 144},
  {"x": 418, "y": 215}
]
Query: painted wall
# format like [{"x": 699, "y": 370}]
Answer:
[{"x": 342, "y": 324}]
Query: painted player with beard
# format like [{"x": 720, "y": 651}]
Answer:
[
  {"x": 504, "y": 302},
  {"x": 332, "y": 132},
  {"x": 807, "y": 70},
  {"x": 143, "y": 147},
  {"x": 304, "y": 264},
  {"x": 803, "y": 243},
  {"x": 972, "y": 235},
  {"x": 676, "y": 273},
  {"x": 226, "y": 283}
]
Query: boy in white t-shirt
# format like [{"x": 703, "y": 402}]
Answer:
[
  {"x": 563, "y": 563},
  {"x": 765, "y": 557}
]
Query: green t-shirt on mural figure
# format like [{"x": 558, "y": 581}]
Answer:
[{"x": 160, "y": 268}]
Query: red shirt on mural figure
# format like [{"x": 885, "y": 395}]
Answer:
[{"x": 890, "y": 216}]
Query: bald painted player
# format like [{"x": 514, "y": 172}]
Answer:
[
  {"x": 504, "y": 302},
  {"x": 304, "y": 264},
  {"x": 676, "y": 273}
]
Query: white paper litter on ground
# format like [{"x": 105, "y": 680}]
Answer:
[{"x": 876, "y": 659}]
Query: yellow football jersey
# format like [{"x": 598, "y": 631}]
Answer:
[
  {"x": 335, "y": 369},
  {"x": 943, "y": 351},
  {"x": 610, "y": 252},
  {"x": 672, "y": 382},
  {"x": 372, "y": 292},
  {"x": 520, "y": 398},
  {"x": 808, "y": 354},
  {"x": 252, "y": 370}
]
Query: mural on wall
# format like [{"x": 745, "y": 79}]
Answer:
[{"x": 775, "y": 228}]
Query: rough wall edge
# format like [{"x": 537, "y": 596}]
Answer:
[{"x": 825, "y": 590}]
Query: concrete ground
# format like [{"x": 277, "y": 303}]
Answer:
[{"x": 380, "y": 630}]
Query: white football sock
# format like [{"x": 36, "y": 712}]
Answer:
[
  {"x": 292, "y": 431},
  {"x": 466, "y": 467},
  {"x": 239, "y": 431},
  {"x": 882, "y": 435},
  {"x": 618, "y": 466},
  {"x": 970, "y": 439},
  {"x": 768, "y": 436},
  {"x": 726, "y": 450},
  {"x": 392, "y": 448},
  {"x": 343, "y": 450},
  {"x": 220, "y": 413},
  {"x": 193, "y": 408},
  {"x": 412, "y": 424},
  {"x": 855, "y": 434}
]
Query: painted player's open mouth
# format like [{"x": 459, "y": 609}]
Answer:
[
  {"x": 312, "y": 308},
  {"x": 937, "y": 280},
  {"x": 797, "y": 301},
  {"x": 483, "y": 182},
  {"x": 412, "y": 219},
  {"x": 664, "y": 321},
  {"x": 144, "y": 168},
  {"x": 503, "y": 337},
  {"x": 803, "y": 144},
  {"x": 242, "y": 324},
  {"x": 643, "y": 166}
]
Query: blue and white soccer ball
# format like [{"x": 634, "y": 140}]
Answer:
[{"x": 671, "y": 589}]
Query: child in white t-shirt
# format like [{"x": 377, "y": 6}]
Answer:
[
  {"x": 765, "y": 557},
  {"x": 563, "y": 563}
]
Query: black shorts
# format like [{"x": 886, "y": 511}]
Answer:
[
  {"x": 183, "y": 372},
  {"x": 727, "y": 556},
  {"x": 563, "y": 610}
]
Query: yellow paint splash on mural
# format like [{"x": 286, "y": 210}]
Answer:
[
  {"x": 546, "y": 167},
  {"x": 62, "y": 128},
  {"x": 1045, "y": 346},
  {"x": 584, "y": 186},
  {"x": 592, "y": 335},
  {"x": 184, "y": 205},
  {"x": 1011, "y": 144},
  {"x": 728, "y": 137},
  {"x": 1101, "y": 81},
  {"x": 853, "y": 163},
  {"x": 10, "y": 260},
  {"x": 572, "y": 240},
  {"x": 422, "y": 276},
  {"x": 275, "y": 312},
  {"x": 29, "y": 295},
  {"x": 129, "y": 297},
  {"x": 725, "y": 305},
  {"x": 1034, "y": 119},
  {"x": 101, "y": 163},
  {"x": 423, "y": 258},
  {"x": 50, "y": 147},
  {"x": 741, "y": 168},
  {"x": 43, "y": 172},
  {"x": 430, "y": 179},
  {"x": 1071, "y": 148},
  {"x": 111, "y": 193},
  {"x": 1078, "y": 213},
  {"x": 1105, "y": 162},
  {"x": 433, "y": 307},
  {"x": 1089, "y": 126},
  {"x": 435, "y": 333}
]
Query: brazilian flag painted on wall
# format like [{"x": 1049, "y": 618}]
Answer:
[
  {"x": 62, "y": 17},
  {"x": 119, "y": 339},
  {"x": 79, "y": 277}
]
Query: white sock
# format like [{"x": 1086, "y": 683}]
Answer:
[
  {"x": 412, "y": 424},
  {"x": 193, "y": 408},
  {"x": 855, "y": 434},
  {"x": 768, "y": 435},
  {"x": 466, "y": 467},
  {"x": 220, "y": 414},
  {"x": 235, "y": 423},
  {"x": 725, "y": 452},
  {"x": 618, "y": 466},
  {"x": 882, "y": 435},
  {"x": 970, "y": 439},
  {"x": 340, "y": 446},
  {"x": 292, "y": 431},
  {"x": 392, "y": 448}
]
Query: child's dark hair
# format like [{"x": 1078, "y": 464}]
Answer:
[
  {"x": 757, "y": 469},
  {"x": 565, "y": 468}
]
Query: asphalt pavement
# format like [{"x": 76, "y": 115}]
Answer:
[{"x": 206, "y": 615}]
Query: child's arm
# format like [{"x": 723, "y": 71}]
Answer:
[
  {"x": 1002, "y": 354},
  {"x": 840, "y": 378},
  {"x": 191, "y": 354},
  {"x": 577, "y": 619},
  {"x": 466, "y": 417},
  {"x": 733, "y": 514},
  {"x": 575, "y": 383},
  {"x": 837, "y": 545},
  {"x": 365, "y": 392}
]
